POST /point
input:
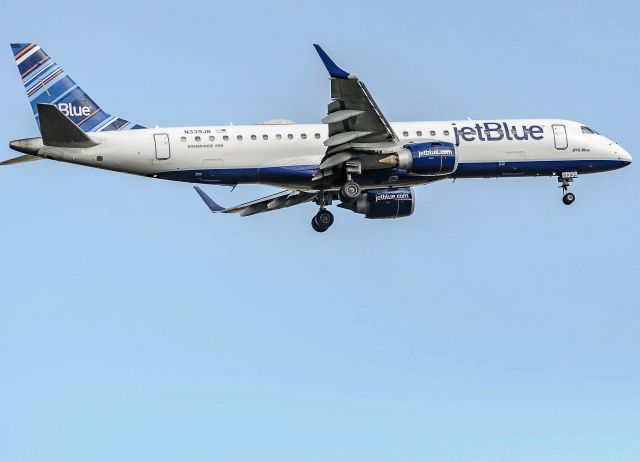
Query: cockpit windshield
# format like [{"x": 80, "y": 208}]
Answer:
[{"x": 588, "y": 131}]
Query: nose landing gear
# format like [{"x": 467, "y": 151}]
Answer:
[{"x": 565, "y": 180}]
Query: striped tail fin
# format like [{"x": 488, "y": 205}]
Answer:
[{"x": 46, "y": 82}]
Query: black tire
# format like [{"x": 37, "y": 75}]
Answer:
[
  {"x": 349, "y": 191},
  {"x": 323, "y": 220},
  {"x": 568, "y": 198},
  {"x": 315, "y": 226}
]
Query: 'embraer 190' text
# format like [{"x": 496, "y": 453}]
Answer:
[{"x": 498, "y": 131}]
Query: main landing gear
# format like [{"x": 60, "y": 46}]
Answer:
[
  {"x": 349, "y": 192},
  {"x": 565, "y": 180},
  {"x": 322, "y": 221}
]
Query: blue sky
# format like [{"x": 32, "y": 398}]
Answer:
[{"x": 494, "y": 324}]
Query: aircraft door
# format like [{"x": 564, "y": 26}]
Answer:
[
  {"x": 163, "y": 148},
  {"x": 560, "y": 137}
]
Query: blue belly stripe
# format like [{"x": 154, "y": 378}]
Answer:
[
  {"x": 302, "y": 174},
  {"x": 535, "y": 167}
]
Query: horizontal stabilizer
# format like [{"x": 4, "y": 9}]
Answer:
[
  {"x": 20, "y": 160},
  {"x": 207, "y": 200},
  {"x": 275, "y": 201},
  {"x": 58, "y": 130}
]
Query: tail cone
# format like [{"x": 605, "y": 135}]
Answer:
[{"x": 29, "y": 146}]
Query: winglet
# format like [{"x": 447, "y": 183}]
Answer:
[
  {"x": 334, "y": 70},
  {"x": 207, "y": 200}
]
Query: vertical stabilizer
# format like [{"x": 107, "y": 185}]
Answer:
[{"x": 47, "y": 83}]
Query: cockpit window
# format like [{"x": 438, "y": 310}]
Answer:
[{"x": 588, "y": 131}]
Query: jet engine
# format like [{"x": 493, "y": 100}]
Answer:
[
  {"x": 383, "y": 203},
  {"x": 434, "y": 158}
]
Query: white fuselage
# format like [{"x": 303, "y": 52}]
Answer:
[{"x": 238, "y": 154}]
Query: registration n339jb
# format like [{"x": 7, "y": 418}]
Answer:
[{"x": 354, "y": 158}]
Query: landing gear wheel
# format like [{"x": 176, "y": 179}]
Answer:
[
  {"x": 322, "y": 221},
  {"x": 315, "y": 226},
  {"x": 349, "y": 192},
  {"x": 568, "y": 198}
]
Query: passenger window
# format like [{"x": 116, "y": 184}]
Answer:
[
  {"x": 239, "y": 137},
  {"x": 405, "y": 134},
  {"x": 265, "y": 137},
  {"x": 253, "y": 137},
  {"x": 432, "y": 133},
  {"x": 446, "y": 133},
  {"x": 303, "y": 136},
  {"x": 290, "y": 136},
  {"x": 183, "y": 139},
  {"x": 212, "y": 138},
  {"x": 198, "y": 139},
  {"x": 278, "y": 136},
  {"x": 419, "y": 133},
  {"x": 317, "y": 135},
  {"x": 225, "y": 137}
]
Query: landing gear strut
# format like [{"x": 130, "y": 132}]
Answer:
[
  {"x": 350, "y": 191},
  {"x": 322, "y": 221},
  {"x": 565, "y": 180}
]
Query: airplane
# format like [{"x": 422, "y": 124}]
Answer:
[{"x": 355, "y": 157}]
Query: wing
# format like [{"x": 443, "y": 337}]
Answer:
[
  {"x": 356, "y": 124},
  {"x": 276, "y": 201}
]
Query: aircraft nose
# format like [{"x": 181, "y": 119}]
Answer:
[{"x": 622, "y": 154}]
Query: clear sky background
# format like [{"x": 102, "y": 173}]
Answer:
[{"x": 495, "y": 324}]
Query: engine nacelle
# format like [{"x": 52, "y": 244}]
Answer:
[
  {"x": 384, "y": 203},
  {"x": 436, "y": 158}
]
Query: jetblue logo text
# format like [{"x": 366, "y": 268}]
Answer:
[
  {"x": 498, "y": 131},
  {"x": 74, "y": 111}
]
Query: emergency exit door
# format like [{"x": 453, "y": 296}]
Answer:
[
  {"x": 163, "y": 149},
  {"x": 560, "y": 136}
]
